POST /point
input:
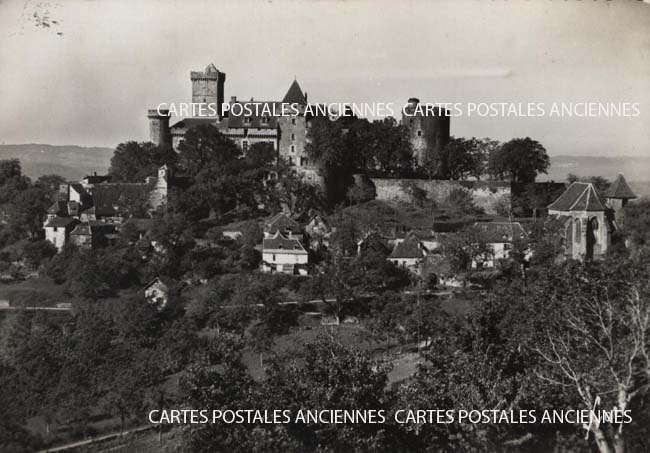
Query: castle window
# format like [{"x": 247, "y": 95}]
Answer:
[
  {"x": 244, "y": 145},
  {"x": 247, "y": 120},
  {"x": 290, "y": 160},
  {"x": 419, "y": 133},
  {"x": 303, "y": 161},
  {"x": 293, "y": 121},
  {"x": 293, "y": 148},
  {"x": 577, "y": 231},
  {"x": 265, "y": 120},
  {"x": 293, "y": 137}
]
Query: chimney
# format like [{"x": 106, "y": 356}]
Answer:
[
  {"x": 306, "y": 96},
  {"x": 233, "y": 98}
]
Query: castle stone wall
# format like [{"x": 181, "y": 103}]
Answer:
[{"x": 486, "y": 194}]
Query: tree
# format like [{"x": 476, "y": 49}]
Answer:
[
  {"x": 636, "y": 222},
  {"x": 520, "y": 160},
  {"x": 51, "y": 184},
  {"x": 464, "y": 247},
  {"x": 133, "y": 161},
  {"x": 28, "y": 211},
  {"x": 327, "y": 147},
  {"x": 292, "y": 193},
  {"x": 601, "y": 184},
  {"x": 224, "y": 181},
  {"x": 592, "y": 337},
  {"x": 327, "y": 375},
  {"x": 465, "y": 157}
]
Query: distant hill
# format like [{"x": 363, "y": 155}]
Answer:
[
  {"x": 635, "y": 169},
  {"x": 75, "y": 162},
  {"x": 71, "y": 162}
]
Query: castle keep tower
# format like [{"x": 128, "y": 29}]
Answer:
[
  {"x": 207, "y": 87},
  {"x": 159, "y": 127},
  {"x": 428, "y": 132}
]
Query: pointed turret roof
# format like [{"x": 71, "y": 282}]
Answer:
[
  {"x": 620, "y": 189},
  {"x": 580, "y": 196},
  {"x": 295, "y": 95},
  {"x": 211, "y": 69}
]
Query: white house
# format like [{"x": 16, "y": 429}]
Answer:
[
  {"x": 499, "y": 238},
  {"x": 57, "y": 230},
  {"x": 285, "y": 255}
]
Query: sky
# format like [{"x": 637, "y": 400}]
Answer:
[{"x": 89, "y": 77}]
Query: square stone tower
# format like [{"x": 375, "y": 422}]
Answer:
[{"x": 207, "y": 87}]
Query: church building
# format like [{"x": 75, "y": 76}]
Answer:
[{"x": 589, "y": 218}]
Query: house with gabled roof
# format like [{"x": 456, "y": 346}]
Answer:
[
  {"x": 409, "y": 253},
  {"x": 284, "y": 224},
  {"x": 58, "y": 229},
  {"x": 588, "y": 221},
  {"x": 500, "y": 239},
  {"x": 284, "y": 254}
]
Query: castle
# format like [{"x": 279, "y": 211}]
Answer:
[
  {"x": 287, "y": 134},
  {"x": 428, "y": 134}
]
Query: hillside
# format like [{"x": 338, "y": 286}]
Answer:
[{"x": 71, "y": 162}]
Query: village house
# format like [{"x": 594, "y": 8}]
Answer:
[
  {"x": 284, "y": 254},
  {"x": 92, "y": 233},
  {"x": 283, "y": 224},
  {"x": 58, "y": 229},
  {"x": 409, "y": 253},
  {"x": 102, "y": 206},
  {"x": 499, "y": 239},
  {"x": 319, "y": 231}
]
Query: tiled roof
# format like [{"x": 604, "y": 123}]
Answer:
[
  {"x": 281, "y": 222},
  {"x": 411, "y": 247},
  {"x": 93, "y": 226},
  {"x": 283, "y": 245},
  {"x": 495, "y": 232},
  {"x": 189, "y": 123},
  {"x": 58, "y": 222},
  {"x": 109, "y": 198},
  {"x": 256, "y": 121},
  {"x": 295, "y": 95},
  {"x": 620, "y": 189},
  {"x": 580, "y": 196},
  {"x": 64, "y": 208}
]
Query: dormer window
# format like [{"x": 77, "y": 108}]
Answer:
[
  {"x": 293, "y": 121},
  {"x": 265, "y": 120},
  {"x": 247, "y": 120}
]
